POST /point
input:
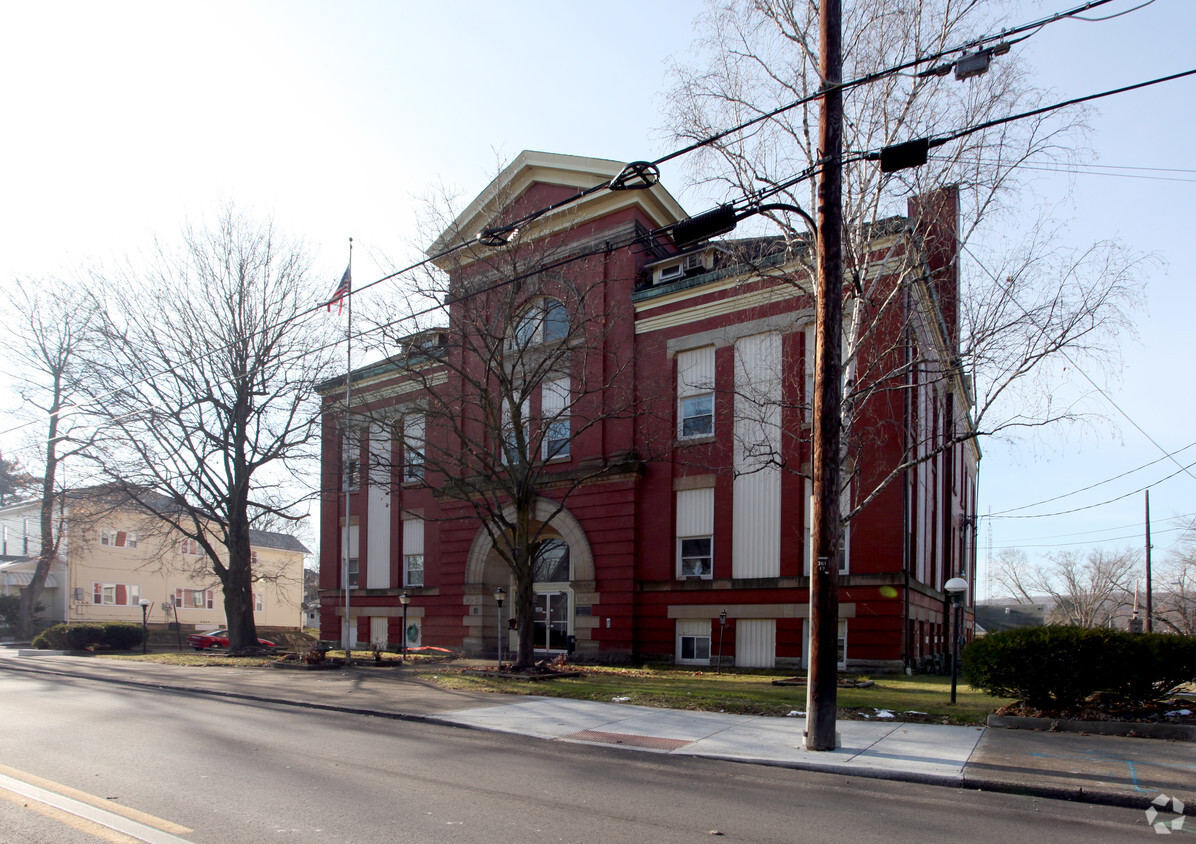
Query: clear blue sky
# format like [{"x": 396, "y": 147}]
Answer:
[{"x": 125, "y": 118}]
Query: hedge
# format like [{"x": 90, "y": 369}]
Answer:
[
  {"x": 114, "y": 635},
  {"x": 1057, "y": 667}
]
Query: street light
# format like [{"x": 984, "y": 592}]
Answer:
[
  {"x": 722, "y": 618},
  {"x": 144, "y": 630},
  {"x": 955, "y": 587},
  {"x": 499, "y": 594},
  {"x": 404, "y": 599}
]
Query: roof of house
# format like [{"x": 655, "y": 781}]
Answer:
[{"x": 274, "y": 539}]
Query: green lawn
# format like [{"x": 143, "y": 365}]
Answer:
[{"x": 921, "y": 698}]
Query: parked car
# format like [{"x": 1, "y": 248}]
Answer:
[{"x": 217, "y": 640}]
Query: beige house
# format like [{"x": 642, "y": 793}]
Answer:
[{"x": 114, "y": 557}]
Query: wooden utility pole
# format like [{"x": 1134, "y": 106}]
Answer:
[
  {"x": 822, "y": 682},
  {"x": 1149, "y": 584}
]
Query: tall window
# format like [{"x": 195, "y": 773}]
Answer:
[
  {"x": 544, "y": 321},
  {"x": 351, "y": 459},
  {"x": 695, "y": 393},
  {"x": 413, "y": 551},
  {"x": 514, "y": 422},
  {"x": 188, "y": 547},
  {"x": 351, "y": 536},
  {"x": 413, "y": 447},
  {"x": 554, "y": 404},
  {"x": 695, "y": 529}
]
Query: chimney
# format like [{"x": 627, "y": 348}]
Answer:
[{"x": 935, "y": 218}]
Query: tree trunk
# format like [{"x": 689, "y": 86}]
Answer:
[{"x": 49, "y": 548}]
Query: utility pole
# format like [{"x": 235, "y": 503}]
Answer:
[
  {"x": 1149, "y": 585},
  {"x": 822, "y": 681}
]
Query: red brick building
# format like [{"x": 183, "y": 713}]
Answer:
[{"x": 672, "y": 440}]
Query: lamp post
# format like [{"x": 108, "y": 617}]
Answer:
[
  {"x": 404, "y": 599},
  {"x": 956, "y": 587},
  {"x": 144, "y": 629},
  {"x": 499, "y": 594},
  {"x": 722, "y": 631}
]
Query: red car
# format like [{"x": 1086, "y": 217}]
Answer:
[{"x": 217, "y": 640}]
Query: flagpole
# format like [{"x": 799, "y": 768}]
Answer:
[{"x": 346, "y": 479}]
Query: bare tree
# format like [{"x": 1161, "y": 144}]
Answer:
[
  {"x": 514, "y": 367},
  {"x": 52, "y": 331},
  {"x": 206, "y": 387},
  {"x": 1020, "y": 315},
  {"x": 1084, "y": 590},
  {"x": 1175, "y": 608}
]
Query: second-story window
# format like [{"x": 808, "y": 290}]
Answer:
[
  {"x": 544, "y": 321},
  {"x": 695, "y": 393},
  {"x": 413, "y": 447}
]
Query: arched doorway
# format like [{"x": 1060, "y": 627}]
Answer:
[{"x": 564, "y": 588}]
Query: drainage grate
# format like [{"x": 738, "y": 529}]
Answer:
[{"x": 627, "y": 740}]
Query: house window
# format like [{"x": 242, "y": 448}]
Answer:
[
  {"x": 188, "y": 547},
  {"x": 514, "y": 421},
  {"x": 695, "y": 393},
  {"x": 116, "y": 594},
  {"x": 112, "y": 538},
  {"x": 841, "y": 644},
  {"x": 413, "y": 447},
  {"x": 259, "y": 602},
  {"x": 554, "y": 409},
  {"x": 351, "y": 460},
  {"x": 545, "y": 321},
  {"x": 413, "y": 551},
  {"x": 697, "y": 416},
  {"x": 696, "y": 557},
  {"x": 195, "y": 599},
  {"x": 693, "y": 641},
  {"x": 695, "y": 526},
  {"x": 413, "y": 569},
  {"x": 351, "y": 537}
]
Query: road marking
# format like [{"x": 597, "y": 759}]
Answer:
[
  {"x": 59, "y": 800},
  {"x": 67, "y": 819}
]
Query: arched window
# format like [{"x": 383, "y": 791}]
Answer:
[
  {"x": 552, "y": 561},
  {"x": 545, "y": 321}
]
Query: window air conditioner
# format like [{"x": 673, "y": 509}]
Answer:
[{"x": 694, "y": 262}]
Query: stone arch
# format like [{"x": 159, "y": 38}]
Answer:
[{"x": 564, "y": 523}]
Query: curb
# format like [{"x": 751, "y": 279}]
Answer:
[{"x": 1134, "y": 729}]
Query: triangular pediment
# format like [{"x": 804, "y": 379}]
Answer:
[{"x": 535, "y": 179}]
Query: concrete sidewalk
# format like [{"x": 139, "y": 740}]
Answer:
[{"x": 1100, "y": 769}]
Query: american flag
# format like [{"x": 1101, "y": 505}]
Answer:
[{"x": 342, "y": 290}]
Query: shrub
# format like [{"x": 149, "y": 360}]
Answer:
[
  {"x": 1159, "y": 663},
  {"x": 1047, "y": 667},
  {"x": 117, "y": 635},
  {"x": 1059, "y": 667},
  {"x": 122, "y": 635}
]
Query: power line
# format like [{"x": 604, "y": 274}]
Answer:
[
  {"x": 1096, "y": 484},
  {"x": 641, "y": 170}
]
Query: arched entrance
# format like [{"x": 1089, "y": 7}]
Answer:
[{"x": 564, "y": 582}]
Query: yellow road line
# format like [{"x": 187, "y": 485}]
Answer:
[
  {"x": 98, "y": 802},
  {"x": 67, "y": 819}
]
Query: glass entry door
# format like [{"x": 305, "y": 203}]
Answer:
[{"x": 552, "y": 621}]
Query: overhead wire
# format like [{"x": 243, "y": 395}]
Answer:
[{"x": 513, "y": 226}]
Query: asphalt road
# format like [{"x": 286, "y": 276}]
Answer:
[{"x": 74, "y": 753}]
